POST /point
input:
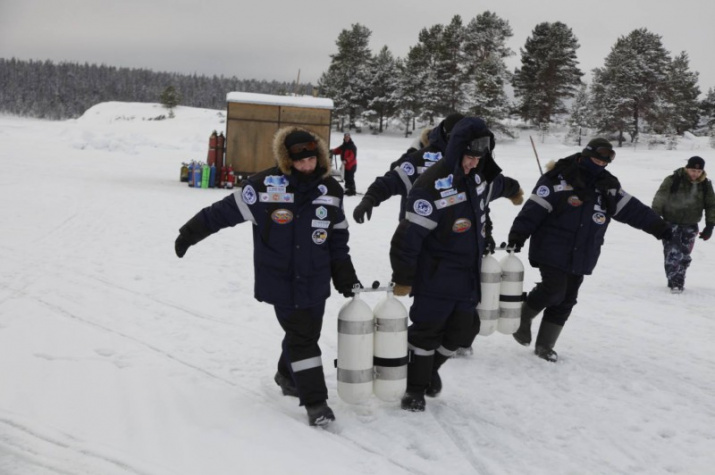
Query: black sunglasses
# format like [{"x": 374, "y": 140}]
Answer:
[
  {"x": 299, "y": 147},
  {"x": 478, "y": 147},
  {"x": 605, "y": 154}
]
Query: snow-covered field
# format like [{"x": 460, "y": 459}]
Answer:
[{"x": 118, "y": 358}]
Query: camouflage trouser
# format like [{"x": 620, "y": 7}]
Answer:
[{"x": 677, "y": 253}]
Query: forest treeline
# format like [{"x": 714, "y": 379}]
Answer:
[
  {"x": 461, "y": 67},
  {"x": 48, "y": 90}
]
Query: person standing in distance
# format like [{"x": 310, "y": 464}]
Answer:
[
  {"x": 566, "y": 217},
  {"x": 348, "y": 154},
  {"x": 681, "y": 200},
  {"x": 300, "y": 239}
]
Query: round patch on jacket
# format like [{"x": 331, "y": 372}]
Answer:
[
  {"x": 599, "y": 218},
  {"x": 282, "y": 216},
  {"x": 422, "y": 207},
  {"x": 320, "y": 236},
  {"x": 249, "y": 195},
  {"x": 574, "y": 201},
  {"x": 408, "y": 168},
  {"x": 543, "y": 191},
  {"x": 461, "y": 225},
  {"x": 323, "y": 189}
]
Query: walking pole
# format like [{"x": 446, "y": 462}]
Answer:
[{"x": 536, "y": 154}]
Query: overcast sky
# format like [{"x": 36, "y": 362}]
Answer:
[{"x": 277, "y": 39}]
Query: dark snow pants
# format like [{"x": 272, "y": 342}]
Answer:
[
  {"x": 556, "y": 293},
  {"x": 677, "y": 253},
  {"x": 350, "y": 180},
  {"x": 438, "y": 325},
  {"x": 301, "y": 357}
]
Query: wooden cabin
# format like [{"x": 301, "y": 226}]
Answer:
[{"x": 253, "y": 119}]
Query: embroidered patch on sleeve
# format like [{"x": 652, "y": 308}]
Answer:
[{"x": 422, "y": 207}]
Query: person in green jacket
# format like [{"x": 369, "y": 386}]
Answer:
[{"x": 681, "y": 200}]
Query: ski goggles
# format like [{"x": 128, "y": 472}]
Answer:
[
  {"x": 605, "y": 154},
  {"x": 302, "y": 147},
  {"x": 478, "y": 147}
]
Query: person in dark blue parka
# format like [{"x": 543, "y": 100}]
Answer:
[
  {"x": 406, "y": 170},
  {"x": 300, "y": 237},
  {"x": 567, "y": 217},
  {"x": 437, "y": 249}
]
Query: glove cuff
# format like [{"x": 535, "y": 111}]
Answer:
[{"x": 371, "y": 200}]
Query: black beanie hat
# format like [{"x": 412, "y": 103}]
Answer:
[
  {"x": 296, "y": 137},
  {"x": 590, "y": 150},
  {"x": 696, "y": 163},
  {"x": 449, "y": 122}
]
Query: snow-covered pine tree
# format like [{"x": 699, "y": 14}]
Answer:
[
  {"x": 347, "y": 79},
  {"x": 580, "y": 117},
  {"x": 170, "y": 98},
  {"x": 485, "y": 51},
  {"x": 383, "y": 84},
  {"x": 632, "y": 84},
  {"x": 683, "y": 95},
  {"x": 408, "y": 95},
  {"x": 549, "y": 72},
  {"x": 707, "y": 108}
]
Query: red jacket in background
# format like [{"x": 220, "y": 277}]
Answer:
[{"x": 348, "y": 153}]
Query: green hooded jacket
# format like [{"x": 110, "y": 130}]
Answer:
[{"x": 681, "y": 201}]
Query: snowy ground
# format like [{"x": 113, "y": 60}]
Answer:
[{"x": 118, "y": 358}]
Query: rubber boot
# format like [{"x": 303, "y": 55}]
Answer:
[
  {"x": 419, "y": 375},
  {"x": 523, "y": 334},
  {"x": 435, "y": 385},
  {"x": 545, "y": 341}
]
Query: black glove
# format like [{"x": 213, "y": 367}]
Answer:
[
  {"x": 489, "y": 244},
  {"x": 344, "y": 277},
  {"x": 190, "y": 233},
  {"x": 707, "y": 232},
  {"x": 364, "y": 208},
  {"x": 181, "y": 245},
  {"x": 350, "y": 291},
  {"x": 661, "y": 229},
  {"x": 516, "y": 241}
]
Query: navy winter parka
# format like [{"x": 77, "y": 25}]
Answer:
[
  {"x": 405, "y": 171},
  {"x": 437, "y": 248},
  {"x": 568, "y": 214},
  {"x": 300, "y": 234}
]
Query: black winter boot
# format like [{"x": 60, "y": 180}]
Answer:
[
  {"x": 287, "y": 385},
  {"x": 523, "y": 334},
  {"x": 435, "y": 385},
  {"x": 419, "y": 376},
  {"x": 413, "y": 401},
  {"x": 319, "y": 414},
  {"x": 545, "y": 341}
]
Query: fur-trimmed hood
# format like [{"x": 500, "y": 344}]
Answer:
[
  {"x": 283, "y": 160},
  {"x": 703, "y": 176}
]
